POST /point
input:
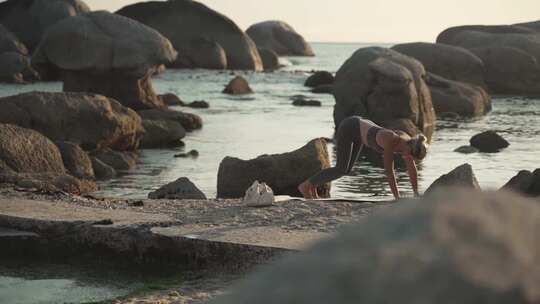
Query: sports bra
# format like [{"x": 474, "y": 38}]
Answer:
[{"x": 372, "y": 139}]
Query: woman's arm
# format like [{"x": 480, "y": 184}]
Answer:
[
  {"x": 413, "y": 174},
  {"x": 391, "y": 141}
]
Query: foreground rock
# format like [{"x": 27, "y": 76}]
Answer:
[
  {"x": 510, "y": 54},
  {"x": 269, "y": 59},
  {"x": 180, "y": 189},
  {"x": 238, "y": 86},
  {"x": 186, "y": 23},
  {"x": 462, "y": 176},
  {"x": 109, "y": 54},
  {"x": 451, "y": 62},
  {"x": 14, "y": 62},
  {"x": 282, "y": 172},
  {"x": 189, "y": 121},
  {"x": 279, "y": 37},
  {"x": 525, "y": 182},
  {"x": 319, "y": 78},
  {"x": 465, "y": 248},
  {"x": 162, "y": 134},
  {"x": 91, "y": 121},
  {"x": 30, "y": 19},
  {"x": 76, "y": 160},
  {"x": 387, "y": 87},
  {"x": 457, "y": 97},
  {"x": 489, "y": 142}
]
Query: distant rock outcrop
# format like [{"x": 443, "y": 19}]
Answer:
[
  {"x": 14, "y": 62},
  {"x": 387, "y": 87},
  {"x": 511, "y": 54},
  {"x": 461, "y": 98},
  {"x": 108, "y": 54},
  {"x": 186, "y": 23},
  {"x": 30, "y": 19},
  {"x": 450, "y": 62},
  {"x": 279, "y": 37}
]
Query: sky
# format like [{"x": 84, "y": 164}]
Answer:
[{"x": 366, "y": 20}]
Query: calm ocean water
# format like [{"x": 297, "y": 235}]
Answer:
[{"x": 267, "y": 123}]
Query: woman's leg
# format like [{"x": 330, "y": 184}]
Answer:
[{"x": 357, "y": 148}]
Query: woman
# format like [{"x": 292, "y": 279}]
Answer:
[{"x": 353, "y": 133}]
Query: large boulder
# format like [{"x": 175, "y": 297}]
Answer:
[
  {"x": 91, "y": 121},
  {"x": 108, "y": 54},
  {"x": 489, "y": 142},
  {"x": 76, "y": 160},
  {"x": 189, "y": 121},
  {"x": 511, "y": 55},
  {"x": 458, "y": 247},
  {"x": 457, "y": 97},
  {"x": 14, "y": 62},
  {"x": 203, "y": 54},
  {"x": 462, "y": 176},
  {"x": 162, "y": 134},
  {"x": 30, "y": 19},
  {"x": 102, "y": 171},
  {"x": 181, "y": 189},
  {"x": 186, "y": 21},
  {"x": 451, "y": 62},
  {"x": 119, "y": 161},
  {"x": 27, "y": 151},
  {"x": 279, "y": 37},
  {"x": 282, "y": 172},
  {"x": 387, "y": 87},
  {"x": 520, "y": 183}
]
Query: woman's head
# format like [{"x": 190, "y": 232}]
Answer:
[{"x": 418, "y": 146}]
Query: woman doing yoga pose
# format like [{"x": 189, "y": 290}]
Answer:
[{"x": 352, "y": 134}]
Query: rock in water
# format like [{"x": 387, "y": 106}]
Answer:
[
  {"x": 238, "y": 86},
  {"x": 300, "y": 102},
  {"x": 162, "y": 133},
  {"x": 14, "y": 62},
  {"x": 459, "y": 247},
  {"x": 118, "y": 160},
  {"x": 319, "y": 78},
  {"x": 282, "y": 172},
  {"x": 457, "y": 97},
  {"x": 279, "y": 37},
  {"x": 448, "y": 61},
  {"x": 171, "y": 99},
  {"x": 180, "y": 189},
  {"x": 76, "y": 161},
  {"x": 102, "y": 170},
  {"x": 387, "y": 87},
  {"x": 91, "y": 121},
  {"x": 489, "y": 142},
  {"x": 269, "y": 58},
  {"x": 198, "y": 104},
  {"x": 466, "y": 150},
  {"x": 30, "y": 19},
  {"x": 27, "y": 151},
  {"x": 189, "y": 121},
  {"x": 509, "y": 53},
  {"x": 323, "y": 89},
  {"x": 184, "y": 22},
  {"x": 462, "y": 177},
  {"x": 108, "y": 54}
]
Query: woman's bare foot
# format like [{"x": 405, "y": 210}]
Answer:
[{"x": 306, "y": 189}]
